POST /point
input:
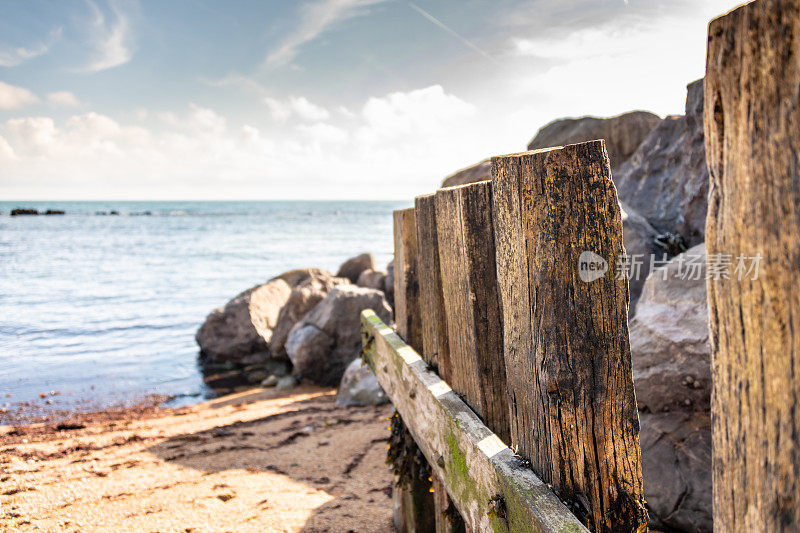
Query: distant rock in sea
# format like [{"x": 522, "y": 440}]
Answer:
[
  {"x": 54, "y": 212},
  {"x": 21, "y": 211}
]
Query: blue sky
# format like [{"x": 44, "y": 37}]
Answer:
[{"x": 193, "y": 99}]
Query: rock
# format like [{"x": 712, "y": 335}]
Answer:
[
  {"x": 322, "y": 344},
  {"x": 304, "y": 297},
  {"x": 244, "y": 325},
  {"x": 296, "y": 277},
  {"x": 623, "y": 134},
  {"x": 359, "y": 386},
  {"x": 478, "y": 172},
  {"x": 19, "y": 211},
  {"x": 666, "y": 179},
  {"x": 669, "y": 337},
  {"x": 354, "y": 266},
  {"x": 670, "y": 355},
  {"x": 372, "y": 279},
  {"x": 54, "y": 212},
  {"x": 286, "y": 383},
  {"x": 388, "y": 283},
  {"x": 676, "y": 466},
  {"x": 637, "y": 237},
  {"x": 271, "y": 381}
]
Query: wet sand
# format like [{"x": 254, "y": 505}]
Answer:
[{"x": 261, "y": 460}]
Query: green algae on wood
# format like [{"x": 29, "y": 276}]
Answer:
[{"x": 471, "y": 461}]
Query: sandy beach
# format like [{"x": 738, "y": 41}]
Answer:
[{"x": 260, "y": 460}]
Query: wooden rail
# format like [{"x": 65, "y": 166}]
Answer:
[{"x": 492, "y": 488}]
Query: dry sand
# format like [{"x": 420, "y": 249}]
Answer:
[{"x": 261, "y": 460}]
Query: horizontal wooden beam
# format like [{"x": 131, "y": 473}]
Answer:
[{"x": 492, "y": 488}]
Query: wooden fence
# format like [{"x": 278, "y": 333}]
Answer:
[
  {"x": 489, "y": 296},
  {"x": 512, "y": 323}
]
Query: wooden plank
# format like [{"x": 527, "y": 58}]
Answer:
[
  {"x": 406, "y": 285},
  {"x": 472, "y": 462},
  {"x": 414, "y": 505},
  {"x": 435, "y": 349},
  {"x": 573, "y": 410},
  {"x": 471, "y": 301},
  {"x": 752, "y": 135}
]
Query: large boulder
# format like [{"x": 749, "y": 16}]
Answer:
[
  {"x": 243, "y": 327},
  {"x": 303, "y": 298},
  {"x": 322, "y": 344},
  {"x": 666, "y": 179},
  {"x": 670, "y": 355},
  {"x": 478, "y": 172},
  {"x": 353, "y": 267},
  {"x": 637, "y": 238},
  {"x": 623, "y": 134},
  {"x": 359, "y": 386}
]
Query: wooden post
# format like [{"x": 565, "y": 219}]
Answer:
[
  {"x": 406, "y": 285},
  {"x": 573, "y": 410},
  {"x": 413, "y": 503},
  {"x": 472, "y": 301},
  {"x": 752, "y": 132},
  {"x": 435, "y": 350}
]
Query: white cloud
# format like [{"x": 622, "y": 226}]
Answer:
[
  {"x": 113, "y": 40},
  {"x": 315, "y": 19},
  {"x": 63, "y": 98},
  {"x": 13, "y": 97},
  {"x": 428, "y": 111},
  {"x": 298, "y": 106},
  {"x": 408, "y": 139},
  {"x": 11, "y": 57}
]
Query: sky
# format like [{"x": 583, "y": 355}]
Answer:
[{"x": 315, "y": 99}]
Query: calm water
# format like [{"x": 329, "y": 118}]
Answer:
[{"x": 105, "y": 308}]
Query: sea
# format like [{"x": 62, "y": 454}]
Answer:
[{"x": 99, "y": 306}]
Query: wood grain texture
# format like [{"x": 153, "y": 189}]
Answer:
[
  {"x": 752, "y": 133},
  {"x": 472, "y": 301},
  {"x": 472, "y": 462},
  {"x": 406, "y": 284},
  {"x": 435, "y": 349},
  {"x": 567, "y": 350}
]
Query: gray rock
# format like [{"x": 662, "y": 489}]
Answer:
[
  {"x": 271, "y": 381},
  {"x": 303, "y": 298},
  {"x": 243, "y": 327},
  {"x": 372, "y": 279},
  {"x": 286, "y": 383},
  {"x": 353, "y": 267},
  {"x": 257, "y": 376},
  {"x": 623, "y": 134},
  {"x": 637, "y": 238},
  {"x": 359, "y": 386},
  {"x": 322, "y": 344},
  {"x": 666, "y": 179},
  {"x": 670, "y": 355},
  {"x": 478, "y": 172},
  {"x": 670, "y": 347}
]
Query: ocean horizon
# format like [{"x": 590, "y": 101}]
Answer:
[{"x": 101, "y": 309}]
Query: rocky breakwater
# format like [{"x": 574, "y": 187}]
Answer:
[{"x": 301, "y": 325}]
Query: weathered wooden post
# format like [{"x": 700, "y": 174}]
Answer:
[
  {"x": 435, "y": 348},
  {"x": 414, "y": 509},
  {"x": 472, "y": 301},
  {"x": 573, "y": 411},
  {"x": 752, "y": 132}
]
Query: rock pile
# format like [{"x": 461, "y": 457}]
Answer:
[{"x": 303, "y": 324}]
